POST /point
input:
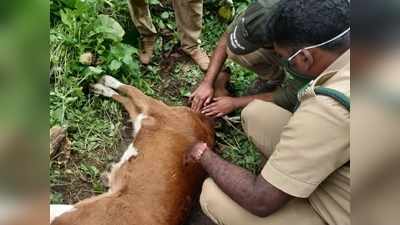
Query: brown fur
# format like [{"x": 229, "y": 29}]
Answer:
[{"x": 154, "y": 188}]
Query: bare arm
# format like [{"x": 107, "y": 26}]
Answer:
[
  {"x": 203, "y": 95},
  {"x": 252, "y": 192},
  {"x": 217, "y": 60}
]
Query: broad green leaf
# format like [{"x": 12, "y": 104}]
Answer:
[
  {"x": 242, "y": 7},
  {"x": 165, "y": 15},
  {"x": 85, "y": 5},
  {"x": 161, "y": 24},
  {"x": 67, "y": 17},
  {"x": 115, "y": 65},
  {"x": 133, "y": 66},
  {"x": 128, "y": 50},
  {"x": 121, "y": 50},
  {"x": 127, "y": 59},
  {"x": 110, "y": 28},
  {"x": 170, "y": 26},
  {"x": 184, "y": 92},
  {"x": 154, "y": 2},
  {"x": 117, "y": 51},
  {"x": 95, "y": 70},
  {"x": 69, "y": 3},
  {"x": 57, "y": 114}
]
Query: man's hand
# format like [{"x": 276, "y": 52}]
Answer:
[
  {"x": 202, "y": 96},
  {"x": 220, "y": 107},
  {"x": 196, "y": 152}
]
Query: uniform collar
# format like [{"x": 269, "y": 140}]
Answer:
[{"x": 329, "y": 74}]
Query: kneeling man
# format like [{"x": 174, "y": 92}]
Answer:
[{"x": 306, "y": 179}]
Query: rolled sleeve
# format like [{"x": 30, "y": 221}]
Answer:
[{"x": 287, "y": 183}]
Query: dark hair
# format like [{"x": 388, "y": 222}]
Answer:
[{"x": 299, "y": 23}]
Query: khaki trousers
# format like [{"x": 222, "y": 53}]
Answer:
[
  {"x": 188, "y": 14},
  {"x": 263, "y": 122}
]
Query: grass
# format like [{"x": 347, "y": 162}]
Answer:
[{"x": 95, "y": 125}]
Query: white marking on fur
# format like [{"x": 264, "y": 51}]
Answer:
[
  {"x": 129, "y": 153},
  {"x": 111, "y": 82},
  {"x": 103, "y": 90},
  {"x": 58, "y": 210},
  {"x": 137, "y": 124}
]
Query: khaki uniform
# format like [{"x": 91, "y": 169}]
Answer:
[
  {"x": 308, "y": 157},
  {"x": 188, "y": 14}
]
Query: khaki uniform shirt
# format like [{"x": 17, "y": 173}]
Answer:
[{"x": 312, "y": 157}]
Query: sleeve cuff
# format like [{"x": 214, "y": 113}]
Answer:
[{"x": 287, "y": 183}]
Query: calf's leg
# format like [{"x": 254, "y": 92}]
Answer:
[
  {"x": 140, "y": 100},
  {"x": 125, "y": 101}
]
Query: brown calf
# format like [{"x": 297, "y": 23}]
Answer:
[{"x": 150, "y": 185}]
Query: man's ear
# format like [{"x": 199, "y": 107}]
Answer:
[{"x": 307, "y": 59}]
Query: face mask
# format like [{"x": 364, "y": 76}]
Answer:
[{"x": 295, "y": 80}]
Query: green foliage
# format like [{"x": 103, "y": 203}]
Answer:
[
  {"x": 56, "y": 197},
  {"x": 109, "y": 28},
  {"x": 93, "y": 124},
  {"x": 226, "y": 10},
  {"x": 239, "y": 150},
  {"x": 241, "y": 79},
  {"x": 83, "y": 27}
]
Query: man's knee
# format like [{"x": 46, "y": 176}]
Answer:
[
  {"x": 208, "y": 199},
  {"x": 248, "y": 112},
  {"x": 263, "y": 113},
  {"x": 263, "y": 122}
]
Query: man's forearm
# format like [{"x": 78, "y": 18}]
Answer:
[
  {"x": 235, "y": 181},
  {"x": 217, "y": 60},
  {"x": 251, "y": 192},
  {"x": 243, "y": 101}
]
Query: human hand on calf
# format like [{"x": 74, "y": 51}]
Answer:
[
  {"x": 202, "y": 96},
  {"x": 220, "y": 107},
  {"x": 195, "y": 152}
]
